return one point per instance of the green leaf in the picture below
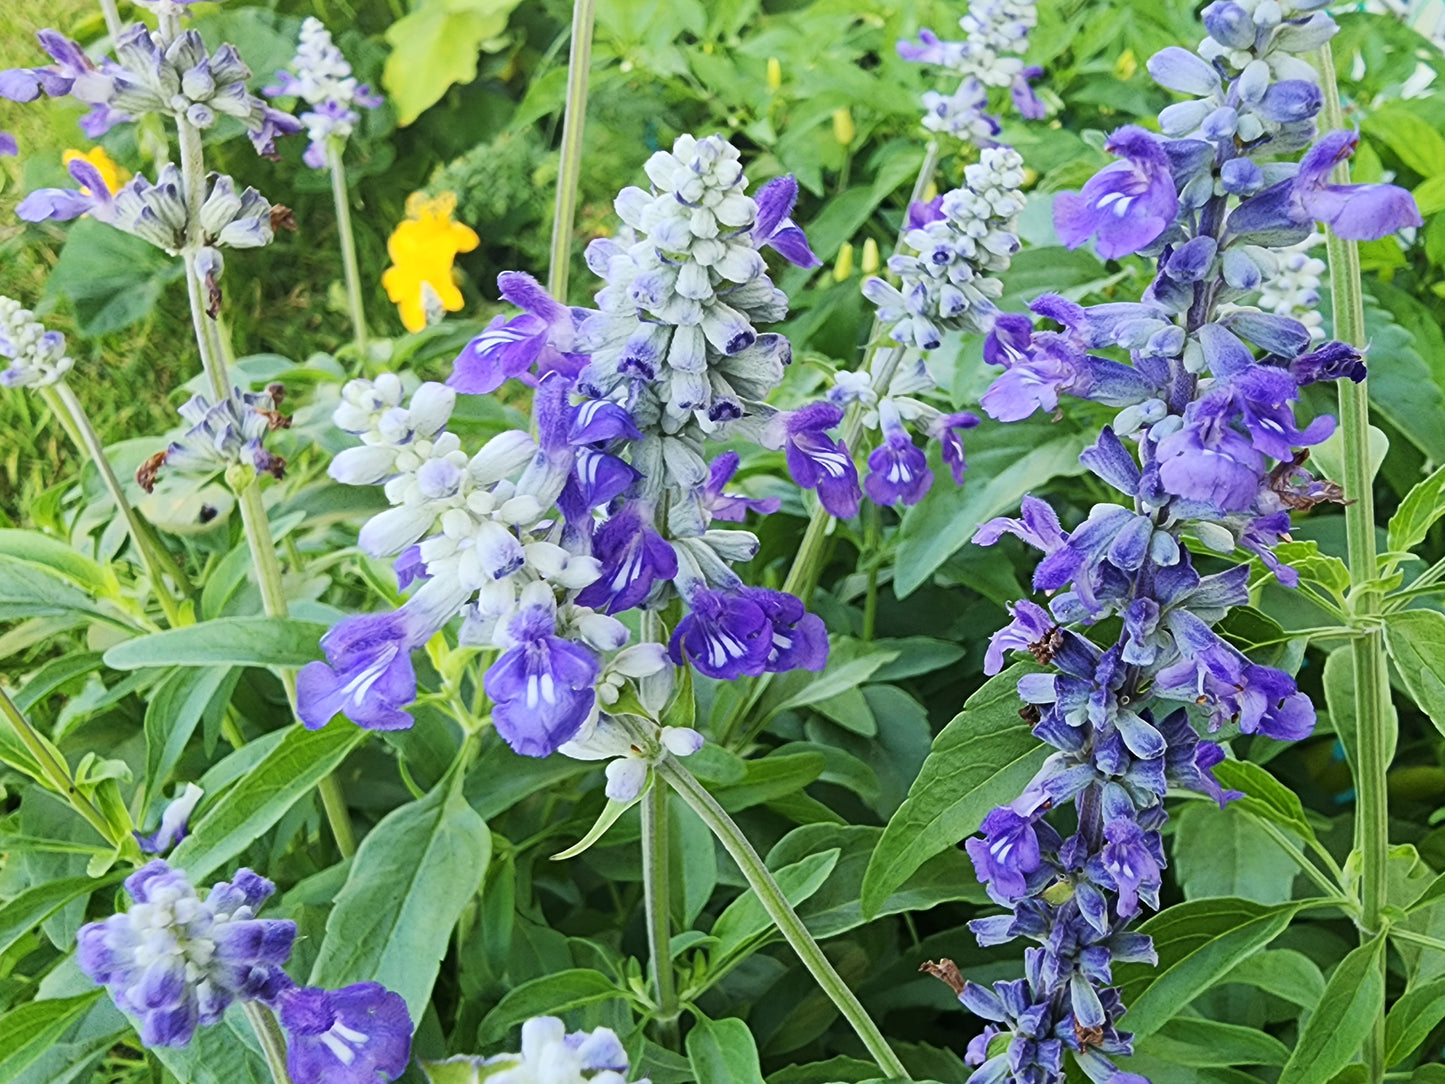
(1284, 973)
(933, 530)
(979, 760)
(411, 878)
(1416, 642)
(436, 46)
(836, 679)
(285, 775)
(770, 778)
(1352, 1002)
(226, 641)
(1316, 567)
(172, 714)
(835, 908)
(28, 1031)
(1411, 1020)
(1264, 796)
(1432, 894)
(1223, 852)
(1422, 506)
(745, 925)
(22, 913)
(224, 1053)
(41, 550)
(1213, 1044)
(605, 820)
(549, 995)
(723, 1052)
(1416, 141)
(1198, 943)
(112, 279)
(28, 590)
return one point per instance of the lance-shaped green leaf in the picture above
(1352, 1002)
(28, 1031)
(410, 879)
(723, 1052)
(30, 908)
(550, 995)
(1198, 942)
(226, 641)
(285, 775)
(983, 758)
(1416, 642)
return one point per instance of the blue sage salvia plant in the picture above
(540, 541)
(176, 961)
(321, 77)
(1206, 451)
(996, 34)
(961, 242)
(152, 73)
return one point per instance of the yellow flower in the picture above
(844, 267)
(423, 248)
(1126, 65)
(843, 130)
(109, 172)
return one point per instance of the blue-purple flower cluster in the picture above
(175, 961)
(321, 77)
(996, 34)
(540, 541)
(1205, 449)
(961, 242)
(152, 72)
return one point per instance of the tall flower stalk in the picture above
(187, 214)
(320, 77)
(569, 169)
(1206, 401)
(1375, 721)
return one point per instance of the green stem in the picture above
(273, 601)
(1371, 676)
(657, 892)
(193, 181)
(65, 405)
(111, 14)
(1423, 940)
(874, 543)
(776, 904)
(569, 169)
(348, 249)
(273, 1042)
(55, 770)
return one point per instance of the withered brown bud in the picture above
(944, 970)
(146, 473)
(1044, 650)
(282, 218)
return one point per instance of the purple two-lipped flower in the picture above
(542, 339)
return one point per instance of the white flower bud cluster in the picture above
(37, 357)
(951, 283)
(1277, 33)
(994, 29)
(474, 530)
(685, 288)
